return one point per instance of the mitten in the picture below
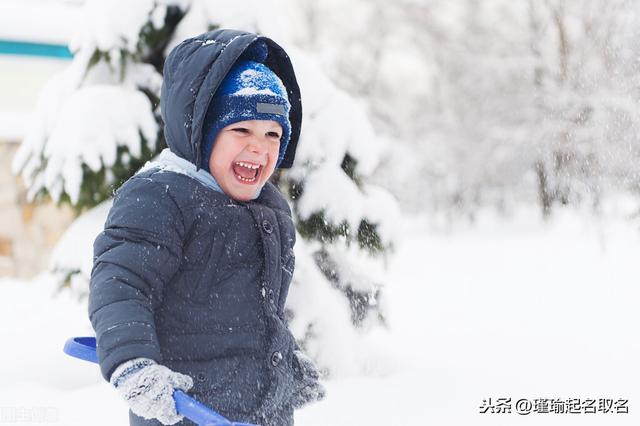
(148, 388)
(308, 387)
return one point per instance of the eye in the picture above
(241, 130)
(273, 135)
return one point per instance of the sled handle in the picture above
(85, 348)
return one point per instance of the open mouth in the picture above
(246, 172)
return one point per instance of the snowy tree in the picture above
(583, 80)
(497, 102)
(543, 92)
(98, 122)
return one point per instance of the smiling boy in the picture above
(192, 270)
(244, 157)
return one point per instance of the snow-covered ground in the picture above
(506, 308)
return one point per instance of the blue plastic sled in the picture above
(85, 348)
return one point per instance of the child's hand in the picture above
(148, 389)
(309, 388)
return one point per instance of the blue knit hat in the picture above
(249, 91)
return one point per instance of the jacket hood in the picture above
(192, 73)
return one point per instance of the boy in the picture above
(192, 271)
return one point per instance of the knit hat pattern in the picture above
(249, 91)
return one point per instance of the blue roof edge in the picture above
(24, 48)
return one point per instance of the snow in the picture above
(381, 208)
(513, 307)
(142, 76)
(329, 189)
(67, 259)
(337, 346)
(193, 23)
(165, 165)
(335, 125)
(52, 97)
(38, 380)
(158, 16)
(38, 21)
(81, 118)
(92, 123)
(356, 267)
(108, 29)
(269, 17)
(505, 308)
(251, 91)
(13, 125)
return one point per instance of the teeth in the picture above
(248, 165)
(245, 179)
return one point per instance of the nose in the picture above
(258, 145)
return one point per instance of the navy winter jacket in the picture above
(191, 278)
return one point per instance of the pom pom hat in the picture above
(249, 91)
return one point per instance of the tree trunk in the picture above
(546, 196)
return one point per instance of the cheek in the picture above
(224, 154)
(271, 164)
(217, 164)
(220, 166)
(274, 150)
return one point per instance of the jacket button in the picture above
(267, 227)
(201, 377)
(276, 357)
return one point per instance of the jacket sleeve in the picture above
(135, 257)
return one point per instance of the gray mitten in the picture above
(148, 389)
(308, 388)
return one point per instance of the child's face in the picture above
(244, 156)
